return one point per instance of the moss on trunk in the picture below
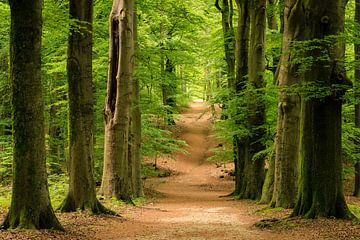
(30, 202)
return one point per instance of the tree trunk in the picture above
(242, 48)
(169, 87)
(82, 193)
(268, 187)
(30, 202)
(227, 12)
(288, 133)
(357, 95)
(271, 14)
(135, 144)
(252, 170)
(115, 181)
(320, 186)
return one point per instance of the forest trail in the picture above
(191, 207)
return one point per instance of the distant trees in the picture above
(308, 132)
(30, 203)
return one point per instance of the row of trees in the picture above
(39, 60)
(305, 160)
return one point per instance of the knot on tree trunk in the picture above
(325, 19)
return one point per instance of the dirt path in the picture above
(191, 207)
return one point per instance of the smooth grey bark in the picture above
(115, 180)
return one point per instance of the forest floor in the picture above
(188, 204)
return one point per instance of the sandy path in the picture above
(191, 207)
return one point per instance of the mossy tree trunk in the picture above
(115, 180)
(271, 11)
(320, 186)
(227, 13)
(242, 59)
(288, 132)
(357, 106)
(82, 193)
(30, 202)
(250, 171)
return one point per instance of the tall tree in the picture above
(30, 203)
(357, 92)
(227, 13)
(320, 187)
(242, 48)
(135, 131)
(115, 181)
(288, 133)
(251, 64)
(82, 193)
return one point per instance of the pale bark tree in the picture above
(288, 133)
(116, 181)
(30, 202)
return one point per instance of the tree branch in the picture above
(217, 5)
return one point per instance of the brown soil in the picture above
(189, 204)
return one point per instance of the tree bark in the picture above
(357, 95)
(82, 193)
(271, 14)
(137, 187)
(30, 202)
(250, 170)
(288, 132)
(227, 12)
(115, 181)
(320, 186)
(242, 59)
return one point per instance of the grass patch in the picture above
(355, 209)
(269, 210)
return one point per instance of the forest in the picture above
(168, 119)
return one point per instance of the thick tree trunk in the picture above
(115, 181)
(320, 186)
(82, 193)
(252, 170)
(30, 202)
(288, 133)
(357, 95)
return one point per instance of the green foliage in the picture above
(58, 188)
(156, 141)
